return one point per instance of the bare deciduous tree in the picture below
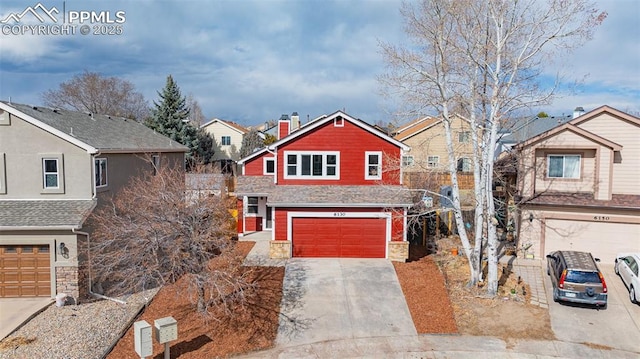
(156, 230)
(482, 59)
(95, 93)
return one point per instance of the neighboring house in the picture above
(579, 188)
(55, 167)
(325, 191)
(228, 136)
(427, 164)
(521, 129)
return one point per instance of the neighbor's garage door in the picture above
(25, 271)
(604, 240)
(339, 237)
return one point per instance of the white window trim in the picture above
(257, 206)
(405, 161)
(59, 157)
(3, 175)
(264, 166)
(367, 176)
(106, 180)
(338, 121)
(324, 155)
(435, 163)
(222, 140)
(563, 170)
(462, 169)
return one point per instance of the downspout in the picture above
(73, 230)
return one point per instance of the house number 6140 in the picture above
(339, 214)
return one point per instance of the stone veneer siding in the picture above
(280, 249)
(67, 281)
(398, 251)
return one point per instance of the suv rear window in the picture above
(582, 277)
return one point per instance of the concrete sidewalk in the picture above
(439, 346)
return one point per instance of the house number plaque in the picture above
(601, 218)
(339, 214)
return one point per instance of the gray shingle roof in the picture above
(329, 196)
(102, 132)
(45, 213)
(254, 185)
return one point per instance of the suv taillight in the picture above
(562, 277)
(604, 284)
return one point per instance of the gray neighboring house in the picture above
(56, 166)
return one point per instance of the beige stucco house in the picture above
(578, 186)
(55, 167)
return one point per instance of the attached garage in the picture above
(25, 271)
(339, 237)
(603, 239)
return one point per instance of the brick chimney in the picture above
(283, 126)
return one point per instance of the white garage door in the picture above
(604, 240)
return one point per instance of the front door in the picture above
(269, 224)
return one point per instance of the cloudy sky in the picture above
(250, 61)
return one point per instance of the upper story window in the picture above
(51, 176)
(373, 165)
(433, 161)
(226, 140)
(464, 165)
(563, 166)
(407, 161)
(464, 136)
(101, 172)
(269, 166)
(312, 165)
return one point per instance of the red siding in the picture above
(339, 237)
(255, 166)
(352, 142)
(253, 224)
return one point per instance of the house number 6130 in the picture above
(339, 214)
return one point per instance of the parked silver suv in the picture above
(576, 278)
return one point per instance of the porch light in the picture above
(530, 217)
(63, 250)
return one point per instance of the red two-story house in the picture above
(332, 188)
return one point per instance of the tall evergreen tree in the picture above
(170, 117)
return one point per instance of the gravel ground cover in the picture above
(82, 331)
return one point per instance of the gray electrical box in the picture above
(166, 329)
(142, 338)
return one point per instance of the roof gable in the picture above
(234, 126)
(605, 109)
(571, 128)
(320, 122)
(416, 128)
(95, 133)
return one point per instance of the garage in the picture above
(603, 239)
(25, 271)
(339, 237)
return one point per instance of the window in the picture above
(226, 140)
(316, 165)
(155, 162)
(433, 161)
(338, 121)
(269, 166)
(3, 181)
(407, 161)
(101, 172)
(252, 205)
(464, 136)
(563, 166)
(50, 173)
(464, 165)
(373, 165)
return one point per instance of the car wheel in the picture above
(632, 295)
(555, 295)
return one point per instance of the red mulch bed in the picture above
(248, 328)
(424, 289)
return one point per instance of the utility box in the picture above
(166, 329)
(142, 338)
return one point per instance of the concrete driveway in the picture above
(618, 326)
(330, 299)
(15, 311)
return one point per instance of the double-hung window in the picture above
(407, 161)
(269, 166)
(464, 164)
(373, 165)
(226, 140)
(433, 161)
(312, 165)
(51, 176)
(563, 166)
(464, 136)
(252, 205)
(101, 172)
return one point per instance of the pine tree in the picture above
(170, 117)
